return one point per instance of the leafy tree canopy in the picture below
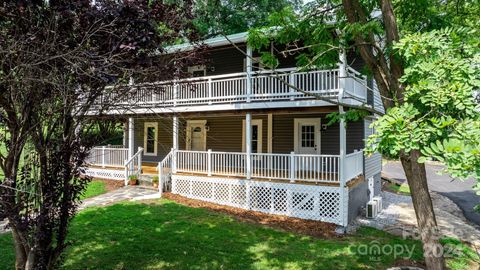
(424, 57)
(440, 116)
(235, 16)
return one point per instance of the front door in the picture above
(196, 135)
(307, 136)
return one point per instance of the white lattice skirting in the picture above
(105, 174)
(323, 203)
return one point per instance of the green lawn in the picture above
(167, 235)
(94, 188)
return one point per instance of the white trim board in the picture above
(218, 107)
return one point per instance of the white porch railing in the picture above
(133, 166)
(165, 172)
(105, 156)
(290, 167)
(232, 88)
(353, 164)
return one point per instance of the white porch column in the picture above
(342, 72)
(248, 62)
(343, 148)
(175, 143)
(248, 144)
(131, 137)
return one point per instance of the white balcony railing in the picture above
(231, 88)
(356, 85)
(290, 167)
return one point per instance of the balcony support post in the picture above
(248, 62)
(291, 80)
(176, 86)
(342, 73)
(131, 137)
(175, 144)
(248, 144)
(343, 149)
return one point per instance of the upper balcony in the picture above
(280, 88)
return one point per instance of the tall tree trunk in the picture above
(20, 254)
(427, 224)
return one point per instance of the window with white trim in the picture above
(150, 144)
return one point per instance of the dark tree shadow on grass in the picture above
(171, 236)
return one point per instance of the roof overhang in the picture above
(211, 42)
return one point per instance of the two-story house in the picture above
(239, 135)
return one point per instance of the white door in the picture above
(307, 136)
(196, 135)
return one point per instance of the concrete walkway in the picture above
(458, 191)
(128, 193)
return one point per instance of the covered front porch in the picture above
(293, 146)
(280, 162)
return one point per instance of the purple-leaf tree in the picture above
(56, 60)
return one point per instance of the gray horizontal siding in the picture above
(229, 59)
(355, 136)
(373, 163)
(377, 100)
(283, 134)
(225, 134)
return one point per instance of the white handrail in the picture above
(164, 177)
(139, 152)
(131, 163)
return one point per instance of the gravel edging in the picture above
(398, 217)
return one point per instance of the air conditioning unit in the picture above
(379, 201)
(372, 209)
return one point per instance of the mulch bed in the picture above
(307, 227)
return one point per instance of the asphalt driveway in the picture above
(458, 191)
